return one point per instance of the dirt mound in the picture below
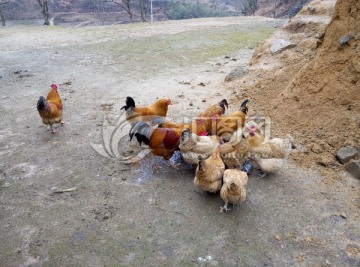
(313, 86)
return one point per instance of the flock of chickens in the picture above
(217, 144)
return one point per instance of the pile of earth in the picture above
(306, 78)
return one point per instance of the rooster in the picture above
(50, 109)
(163, 142)
(191, 146)
(235, 152)
(209, 173)
(226, 125)
(145, 113)
(270, 155)
(234, 188)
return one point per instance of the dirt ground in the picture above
(119, 214)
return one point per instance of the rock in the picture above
(281, 45)
(235, 74)
(354, 168)
(345, 154)
(343, 215)
(344, 39)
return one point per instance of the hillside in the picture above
(98, 13)
(314, 83)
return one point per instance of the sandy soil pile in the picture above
(313, 87)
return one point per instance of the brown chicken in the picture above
(145, 113)
(163, 142)
(195, 125)
(50, 109)
(227, 125)
(234, 188)
(235, 152)
(192, 146)
(209, 173)
(203, 124)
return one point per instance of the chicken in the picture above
(233, 189)
(145, 113)
(227, 125)
(196, 125)
(162, 123)
(235, 152)
(163, 142)
(209, 173)
(51, 108)
(203, 124)
(192, 146)
(269, 155)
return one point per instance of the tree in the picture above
(250, 6)
(1, 13)
(124, 4)
(44, 11)
(143, 9)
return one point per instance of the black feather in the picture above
(41, 104)
(243, 106)
(129, 103)
(142, 131)
(223, 103)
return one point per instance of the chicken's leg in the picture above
(224, 208)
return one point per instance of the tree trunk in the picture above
(142, 10)
(44, 11)
(2, 17)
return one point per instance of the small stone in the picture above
(105, 217)
(204, 100)
(235, 74)
(281, 45)
(344, 39)
(191, 104)
(123, 178)
(277, 237)
(343, 215)
(354, 168)
(345, 154)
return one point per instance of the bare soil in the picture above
(118, 214)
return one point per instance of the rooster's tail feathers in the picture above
(41, 104)
(129, 103)
(223, 103)
(243, 106)
(142, 131)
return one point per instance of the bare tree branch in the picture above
(124, 4)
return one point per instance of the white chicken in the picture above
(192, 146)
(233, 189)
(270, 155)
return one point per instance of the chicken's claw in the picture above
(174, 165)
(260, 173)
(225, 208)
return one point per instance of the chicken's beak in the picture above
(169, 102)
